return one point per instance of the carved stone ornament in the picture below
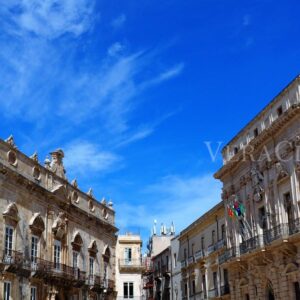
(75, 197)
(74, 183)
(90, 193)
(91, 205)
(35, 157)
(224, 195)
(281, 171)
(243, 181)
(93, 249)
(10, 141)
(12, 158)
(77, 242)
(59, 227)
(56, 165)
(103, 201)
(11, 214)
(36, 224)
(258, 193)
(36, 172)
(256, 176)
(297, 167)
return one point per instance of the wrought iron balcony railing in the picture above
(15, 262)
(277, 232)
(136, 264)
(191, 259)
(211, 248)
(250, 245)
(213, 293)
(199, 254)
(183, 263)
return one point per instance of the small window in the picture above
(297, 290)
(34, 249)
(8, 240)
(262, 217)
(175, 260)
(255, 132)
(223, 232)
(185, 256)
(193, 287)
(33, 294)
(128, 290)
(91, 269)
(57, 252)
(202, 243)
(279, 111)
(213, 234)
(185, 289)
(128, 255)
(6, 290)
(235, 150)
(75, 259)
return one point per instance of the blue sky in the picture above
(131, 90)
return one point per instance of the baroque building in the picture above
(129, 267)
(57, 242)
(261, 196)
(200, 245)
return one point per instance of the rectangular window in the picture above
(213, 234)
(7, 287)
(57, 252)
(255, 132)
(297, 290)
(91, 269)
(279, 111)
(202, 243)
(223, 231)
(75, 259)
(128, 255)
(128, 290)
(33, 294)
(193, 287)
(34, 249)
(125, 290)
(8, 240)
(175, 260)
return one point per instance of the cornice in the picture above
(259, 141)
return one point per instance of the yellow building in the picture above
(57, 242)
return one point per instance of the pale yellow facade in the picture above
(57, 242)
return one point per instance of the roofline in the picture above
(274, 99)
(201, 218)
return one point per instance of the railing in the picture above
(225, 289)
(275, 233)
(220, 244)
(211, 248)
(294, 226)
(131, 264)
(213, 293)
(93, 280)
(183, 263)
(11, 257)
(250, 245)
(227, 255)
(191, 260)
(199, 254)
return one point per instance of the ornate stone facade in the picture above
(261, 197)
(57, 242)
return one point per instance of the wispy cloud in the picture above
(83, 157)
(115, 48)
(49, 18)
(118, 21)
(176, 198)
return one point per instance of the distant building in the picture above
(129, 267)
(261, 196)
(157, 274)
(57, 242)
(176, 293)
(200, 245)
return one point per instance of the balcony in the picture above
(227, 255)
(199, 255)
(79, 277)
(211, 248)
(94, 282)
(225, 290)
(280, 231)
(220, 244)
(191, 260)
(131, 266)
(183, 263)
(14, 262)
(250, 245)
(213, 293)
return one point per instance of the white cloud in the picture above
(84, 158)
(115, 49)
(118, 21)
(173, 198)
(49, 18)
